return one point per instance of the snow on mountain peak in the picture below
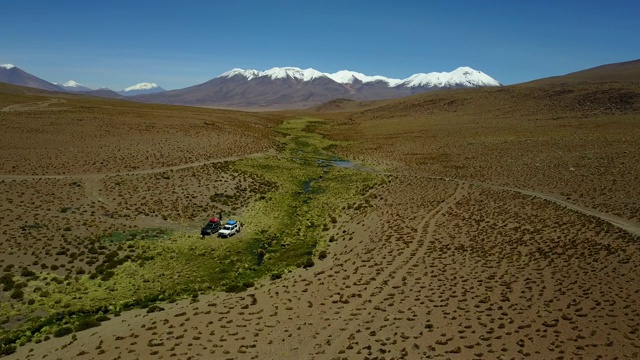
(249, 74)
(293, 72)
(347, 77)
(7, 66)
(276, 73)
(72, 83)
(141, 86)
(462, 76)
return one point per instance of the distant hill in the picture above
(11, 74)
(104, 92)
(294, 88)
(628, 71)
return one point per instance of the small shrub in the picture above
(8, 267)
(6, 278)
(276, 276)
(27, 273)
(102, 317)
(17, 294)
(322, 255)
(62, 331)
(8, 286)
(7, 349)
(86, 323)
(308, 263)
(154, 308)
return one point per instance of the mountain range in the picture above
(291, 87)
(11, 74)
(276, 88)
(138, 89)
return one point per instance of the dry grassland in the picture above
(494, 223)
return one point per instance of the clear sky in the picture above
(177, 44)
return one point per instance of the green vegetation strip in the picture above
(285, 229)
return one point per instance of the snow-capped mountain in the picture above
(12, 74)
(276, 88)
(292, 87)
(140, 89)
(462, 76)
(73, 86)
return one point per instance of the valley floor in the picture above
(498, 224)
(431, 269)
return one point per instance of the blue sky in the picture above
(183, 43)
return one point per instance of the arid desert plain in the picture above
(496, 223)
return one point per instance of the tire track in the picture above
(419, 240)
(42, 105)
(386, 280)
(134, 172)
(627, 225)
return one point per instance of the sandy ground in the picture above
(433, 269)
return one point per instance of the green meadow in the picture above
(286, 228)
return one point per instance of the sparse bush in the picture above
(7, 349)
(86, 323)
(8, 286)
(154, 308)
(102, 317)
(107, 275)
(322, 255)
(62, 331)
(6, 278)
(17, 294)
(308, 263)
(276, 276)
(25, 272)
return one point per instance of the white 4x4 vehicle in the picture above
(229, 229)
